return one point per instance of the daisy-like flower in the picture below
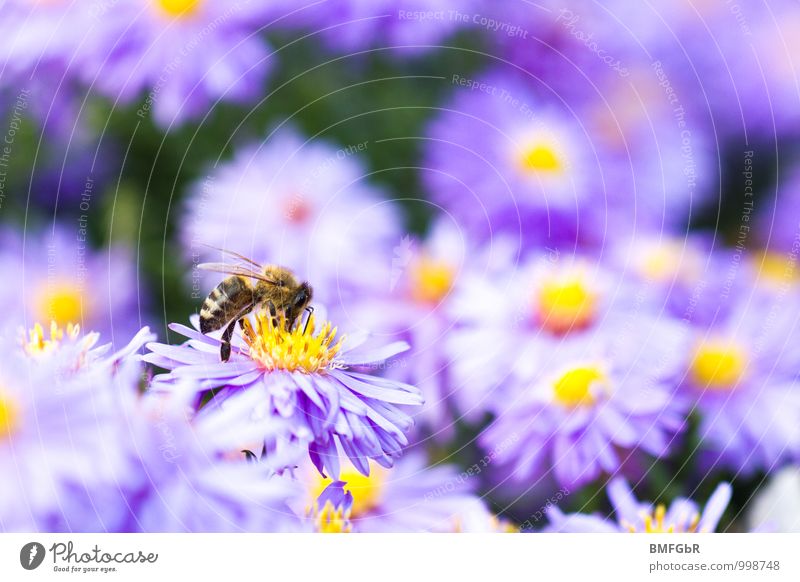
(63, 403)
(741, 377)
(685, 275)
(539, 308)
(185, 54)
(682, 516)
(411, 497)
(503, 158)
(298, 202)
(584, 413)
(63, 279)
(193, 478)
(307, 376)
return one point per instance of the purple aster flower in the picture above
(412, 497)
(686, 276)
(682, 516)
(741, 376)
(63, 279)
(192, 476)
(503, 157)
(307, 377)
(187, 54)
(296, 202)
(63, 405)
(540, 307)
(583, 412)
(574, 169)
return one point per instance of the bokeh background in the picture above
(583, 217)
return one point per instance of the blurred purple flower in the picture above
(683, 515)
(63, 279)
(503, 159)
(292, 201)
(186, 54)
(741, 377)
(538, 308)
(506, 155)
(306, 377)
(405, 27)
(581, 413)
(63, 406)
(192, 477)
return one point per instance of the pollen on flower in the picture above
(566, 304)
(178, 7)
(577, 386)
(367, 491)
(431, 280)
(296, 350)
(540, 157)
(331, 519)
(655, 522)
(38, 343)
(62, 303)
(8, 416)
(718, 365)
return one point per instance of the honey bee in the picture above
(249, 285)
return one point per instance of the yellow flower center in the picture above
(575, 387)
(8, 416)
(330, 519)
(661, 262)
(540, 158)
(431, 280)
(367, 491)
(654, 522)
(776, 267)
(296, 350)
(718, 365)
(62, 303)
(566, 305)
(38, 344)
(178, 7)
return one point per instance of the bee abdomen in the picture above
(225, 302)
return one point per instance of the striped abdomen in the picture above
(227, 301)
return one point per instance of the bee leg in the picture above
(225, 348)
(308, 319)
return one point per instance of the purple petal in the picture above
(715, 507)
(374, 355)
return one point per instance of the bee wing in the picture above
(233, 254)
(235, 270)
